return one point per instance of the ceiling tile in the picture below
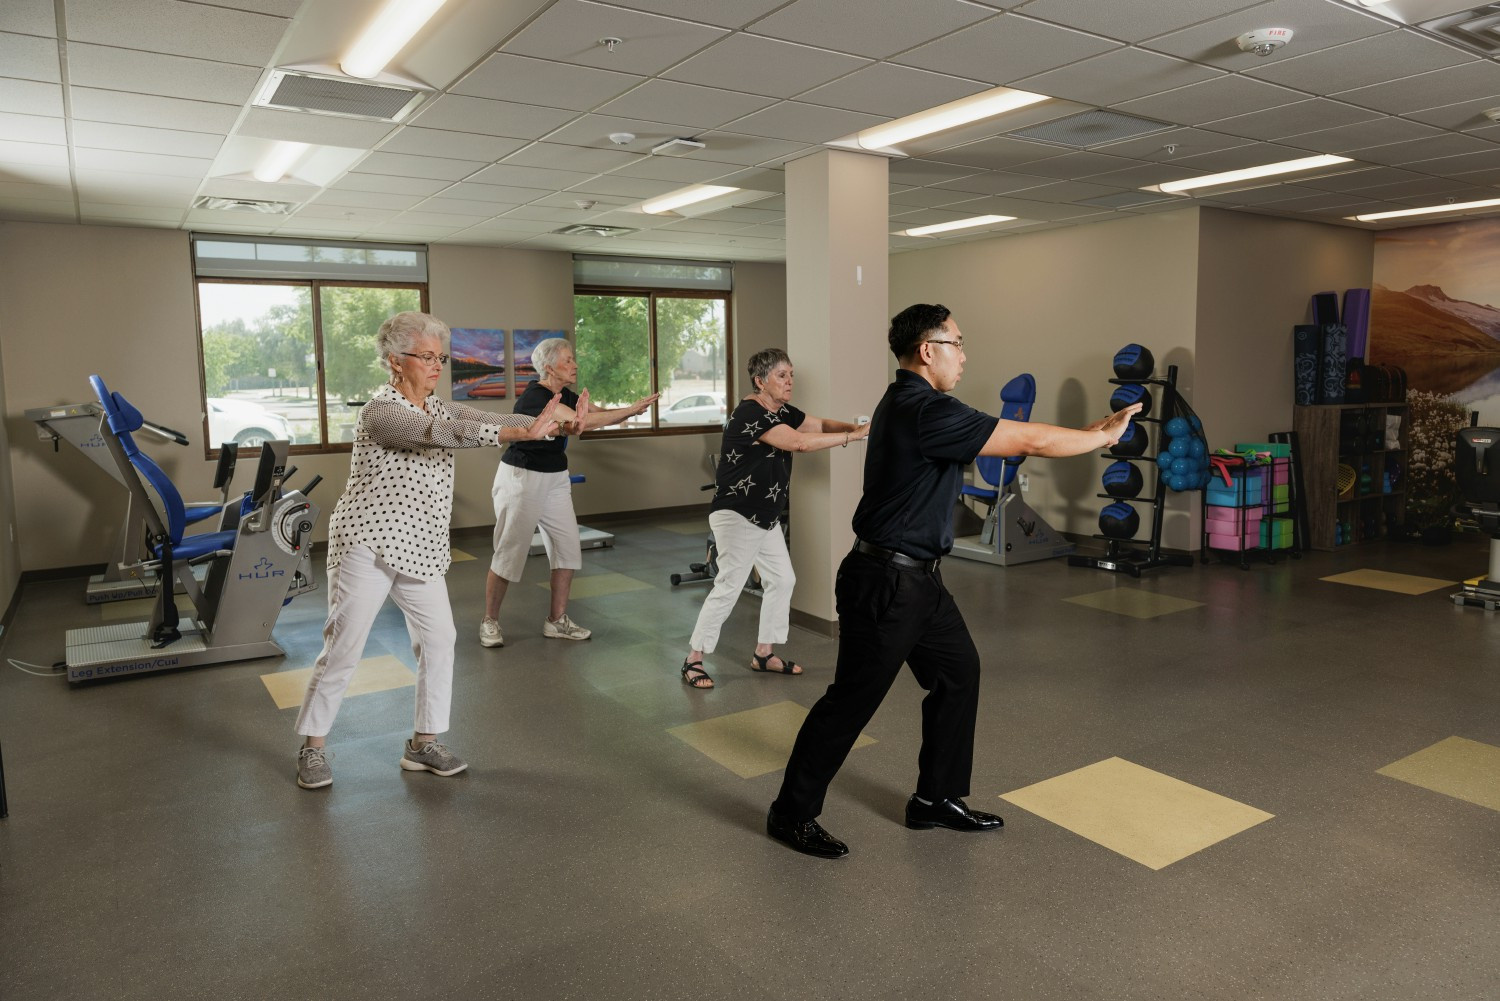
(490, 118)
(530, 177)
(1000, 153)
(1432, 189)
(584, 159)
(875, 28)
(456, 145)
(507, 77)
(807, 123)
(569, 31)
(29, 57)
(1078, 164)
(44, 154)
(1428, 90)
(391, 184)
(144, 163)
(674, 168)
(243, 187)
(1069, 191)
(924, 172)
(1117, 76)
(144, 109)
(33, 128)
(138, 139)
(1375, 132)
(97, 211)
(1026, 207)
(1005, 49)
(994, 182)
(702, 107)
(595, 130)
(1144, 175)
(1363, 62)
(1187, 142)
(1318, 24)
(1464, 116)
(184, 29)
(133, 188)
(1440, 144)
(494, 193)
(462, 206)
(431, 167)
(366, 199)
(759, 179)
(732, 147)
(337, 213)
(30, 97)
(764, 66)
(727, 13)
(600, 210)
(1221, 97)
(1487, 159)
(1356, 179)
(318, 130)
(1293, 119)
(628, 187)
(891, 91)
(155, 73)
(1131, 22)
(29, 17)
(935, 197)
(35, 181)
(442, 220)
(1238, 157)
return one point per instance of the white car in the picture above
(699, 408)
(244, 423)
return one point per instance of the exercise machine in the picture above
(1013, 533)
(709, 569)
(257, 561)
(1476, 465)
(131, 574)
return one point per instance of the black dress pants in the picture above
(889, 615)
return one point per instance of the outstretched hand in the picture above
(640, 406)
(860, 431)
(1115, 424)
(545, 424)
(579, 423)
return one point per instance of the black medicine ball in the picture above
(1134, 362)
(1124, 396)
(1122, 479)
(1133, 442)
(1119, 521)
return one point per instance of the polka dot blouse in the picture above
(399, 500)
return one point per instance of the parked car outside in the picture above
(699, 408)
(244, 422)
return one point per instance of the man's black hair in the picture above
(912, 325)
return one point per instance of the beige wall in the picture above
(1256, 278)
(1059, 304)
(10, 552)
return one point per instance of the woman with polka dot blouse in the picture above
(388, 536)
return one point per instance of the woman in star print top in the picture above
(389, 536)
(755, 468)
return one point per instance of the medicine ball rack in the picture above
(1126, 555)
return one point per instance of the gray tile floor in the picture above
(158, 847)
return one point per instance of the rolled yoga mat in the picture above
(1333, 365)
(1305, 344)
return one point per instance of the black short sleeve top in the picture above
(753, 476)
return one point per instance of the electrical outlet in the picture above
(1023, 481)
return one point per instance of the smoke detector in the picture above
(1493, 114)
(1264, 41)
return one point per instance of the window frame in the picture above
(315, 286)
(658, 429)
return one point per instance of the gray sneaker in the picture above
(432, 757)
(312, 768)
(489, 633)
(564, 629)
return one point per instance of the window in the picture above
(287, 334)
(645, 326)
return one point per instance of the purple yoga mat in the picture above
(1357, 318)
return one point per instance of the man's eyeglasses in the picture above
(427, 357)
(958, 343)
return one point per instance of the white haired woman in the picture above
(389, 536)
(754, 471)
(532, 489)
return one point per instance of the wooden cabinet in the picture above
(1366, 499)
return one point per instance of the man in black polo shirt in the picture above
(892, 604)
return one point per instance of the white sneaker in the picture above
(564, 629)
(489, 633)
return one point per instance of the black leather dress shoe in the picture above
(805, 836)
(950, 813)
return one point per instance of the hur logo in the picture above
(263, 570)
(1026, 527)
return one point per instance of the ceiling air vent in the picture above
(1090, 128)
(243, 205)
(328, 94)
(585, 229)
(1477, 29)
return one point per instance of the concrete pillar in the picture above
(837, 236)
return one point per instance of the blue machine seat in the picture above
(1016, 397)
(123, 418)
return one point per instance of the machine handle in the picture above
(176, 437)
(312, 483)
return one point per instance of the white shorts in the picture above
(526, 500)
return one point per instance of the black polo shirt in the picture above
(920, 443)
(540, 455)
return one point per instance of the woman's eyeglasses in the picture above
(427, 357)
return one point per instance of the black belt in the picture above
(894, 558)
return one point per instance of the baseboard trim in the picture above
(61, 573)
(815, 623)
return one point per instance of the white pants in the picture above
(741, 546)
(524, 501)
(357, 587)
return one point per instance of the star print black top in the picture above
(753, 476)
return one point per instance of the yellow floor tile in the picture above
(1134, 602)
(599, 584)
(460, 556)
(1384, 580)
(1463, 769)
(374, 674)
(1142, 814)
(752, 742)
(140, 609)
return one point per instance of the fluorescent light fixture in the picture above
(279, 161)
(947, 116)
(1250, 173)
(1487, 203)
(684, 196)
(387, 35)
(944, 227)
